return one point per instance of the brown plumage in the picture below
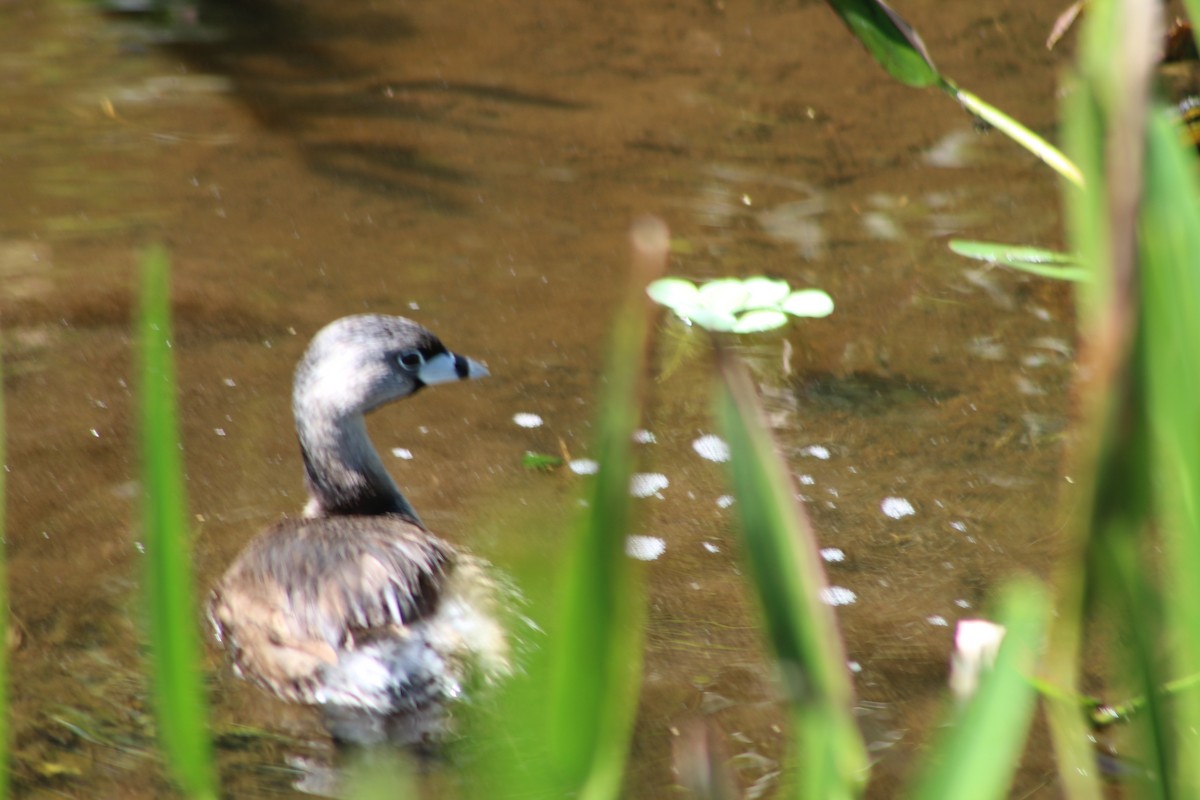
(358, 608)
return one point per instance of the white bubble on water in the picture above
(833, 554)
(648, 484)
(644, 548)
(838, 596)
(712, 448)
(896, 507)
(583, 466)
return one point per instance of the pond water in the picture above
(476, 166)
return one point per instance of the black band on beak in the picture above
(462, 367)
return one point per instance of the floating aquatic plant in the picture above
(731, 305)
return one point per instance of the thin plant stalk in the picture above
(597, 653)
(1048, 153)
(788, 578)
(174, 641)
(1104, 125)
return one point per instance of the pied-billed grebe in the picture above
(357, 608)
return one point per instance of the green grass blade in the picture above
(1034, 260)
(1014, 130)
(899, 50)
(597, 649)
(1085, 213)
(890, 40)
(1169, 242)
(174, 642)
(788, 577)
(977, 754)
(1103, 120)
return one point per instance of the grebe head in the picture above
(353, 366)
(356, 364)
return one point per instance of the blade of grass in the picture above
(1048, 153)
(788, 578)
(1103, 123)
(174, 642)
(1127, 600)
(1082, 128)
(977, 754)
(1034, 260)
(597, 650)
(890, 40)
(1169, 242)
(899, 50)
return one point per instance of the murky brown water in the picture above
(475, 165)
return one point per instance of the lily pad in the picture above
(760, 320)
(726, 295)
(674, 293)
(735, 306)
(808, 303)
(712, 319)
(765, 292)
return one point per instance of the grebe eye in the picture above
(411, 360)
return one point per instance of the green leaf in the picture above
(597, 648)
(899, 49)
(723, 296)
(808, 303)
(759, 321)
(710, 320)
(674, 293)
(1034, 260)
(1048, 153)
(782, 553)
(764, 292)
(174, 643)
(1169, 245)
(892, 41)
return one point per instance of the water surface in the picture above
(475, 166)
